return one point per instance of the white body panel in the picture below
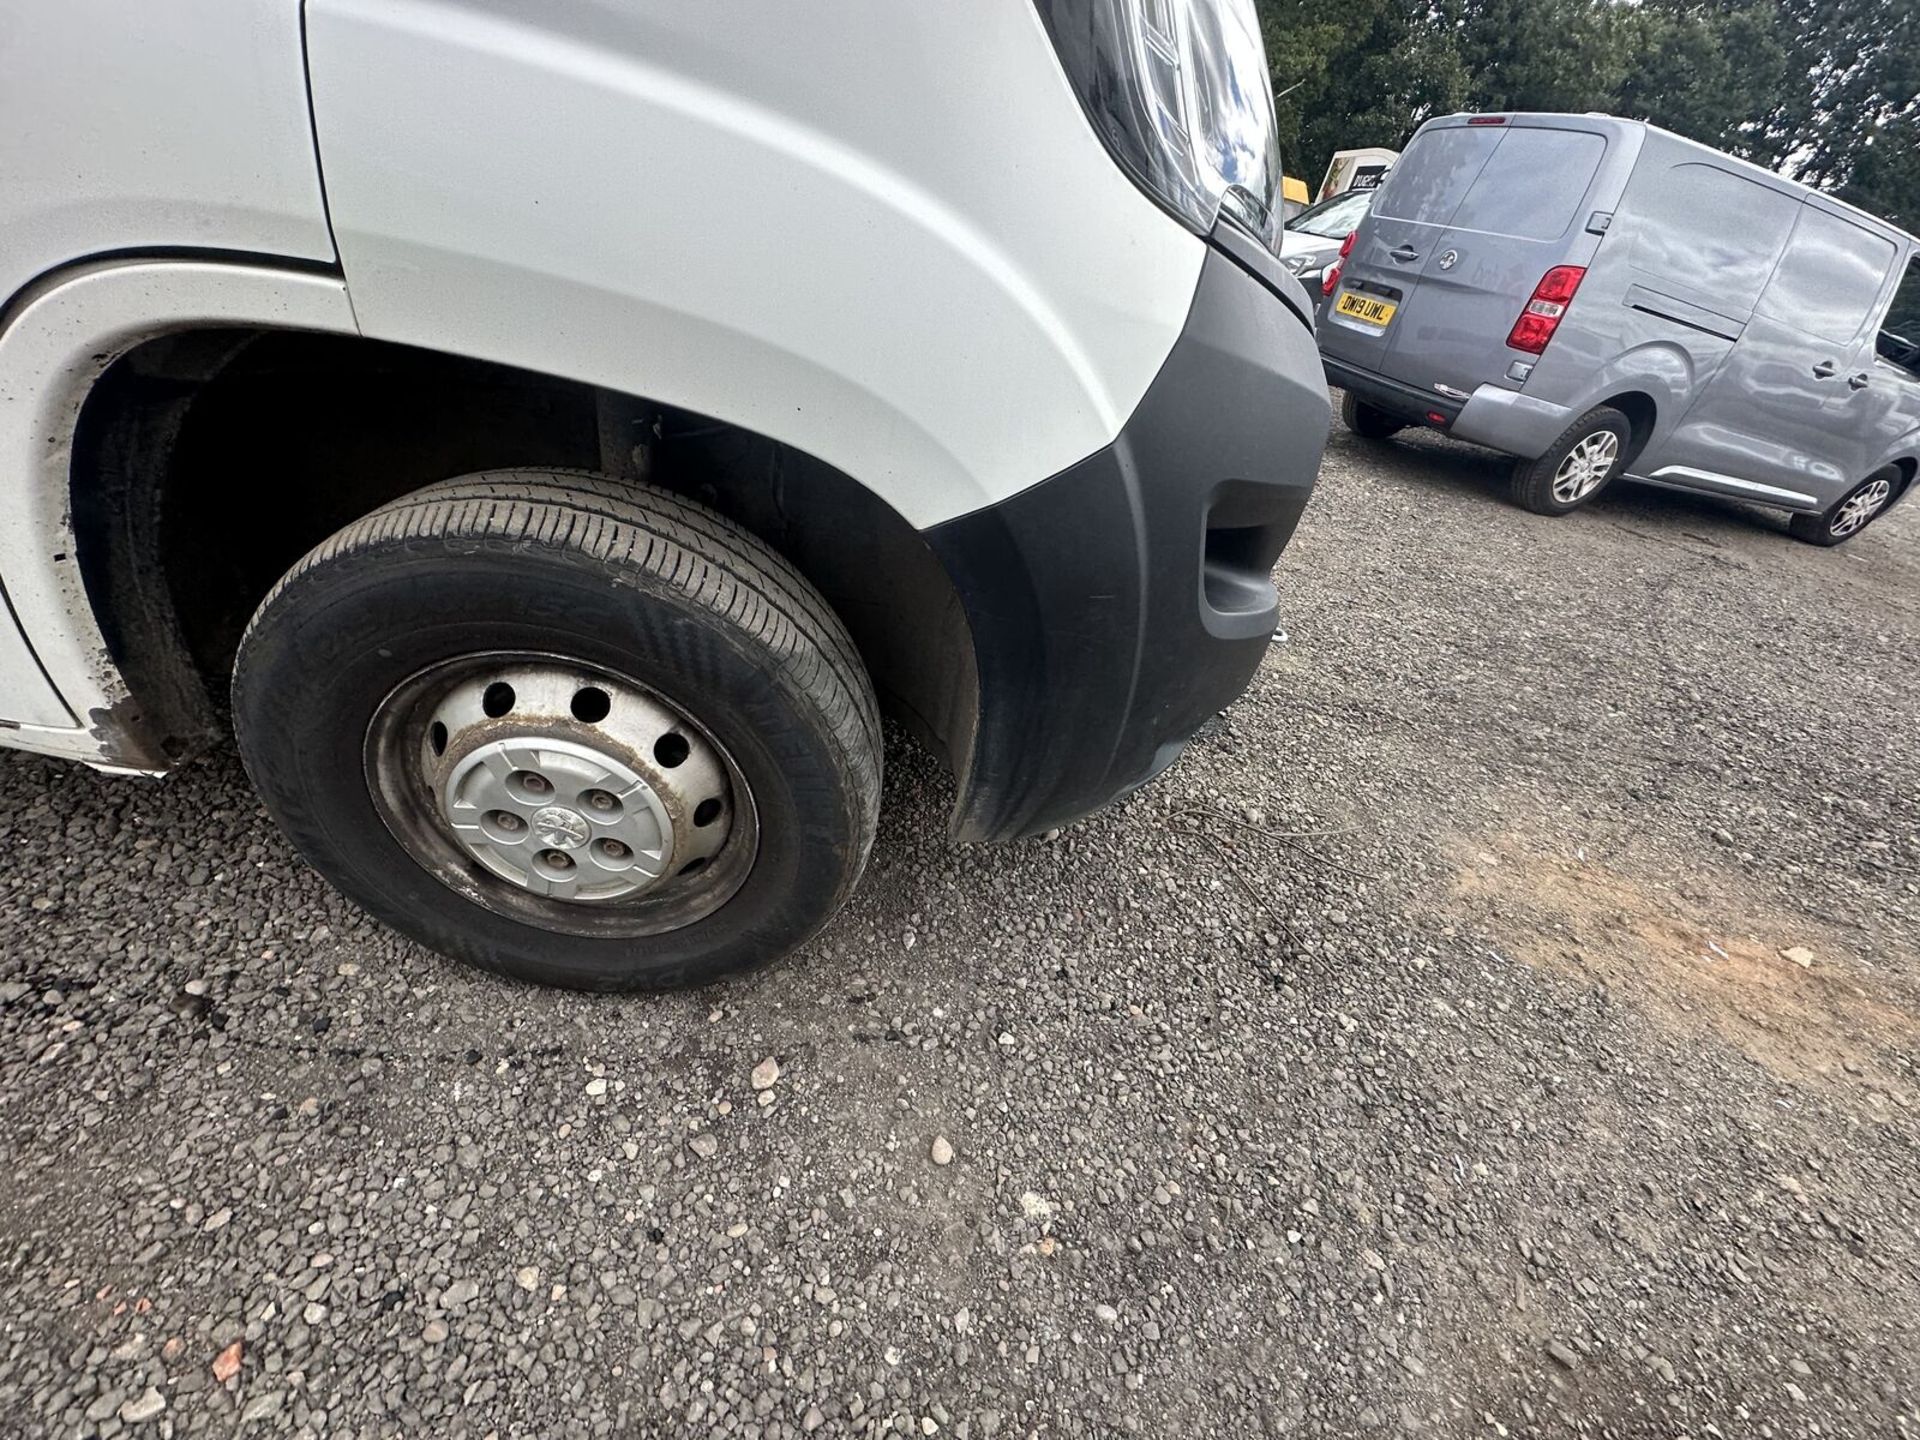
(803, 218)
(51, 351)
(808, 220)
(167, 123)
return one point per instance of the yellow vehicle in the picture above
(1294, 196)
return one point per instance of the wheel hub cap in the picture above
(1861, 507)
(560, 817)
(1587, 465)
(582, 801)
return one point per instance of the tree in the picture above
(1826, 90)
(1711, 72)
(1539, 54)
(1353, 73)
(1885, 174)
(1853, 125)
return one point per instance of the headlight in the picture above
(1178, 91)
(1301, 264)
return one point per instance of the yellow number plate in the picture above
(1364, 307)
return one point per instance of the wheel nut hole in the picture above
(694, 866)
(601, 802)
(614, 850)
(556, 860)
(437, 737)
(498, 699)
(503, 827)
(527, 785)
(591, 704)
(672, 749)
(707, 811)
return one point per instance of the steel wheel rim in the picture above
(1586, 467)
(576, 800)
(1861, 506)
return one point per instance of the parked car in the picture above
(561, 533)
(1313, 238)
(1603, 299)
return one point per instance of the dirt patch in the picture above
(1789, 994)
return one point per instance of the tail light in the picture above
(1332, 277)
(1549, 302)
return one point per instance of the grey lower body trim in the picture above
(1686, 477)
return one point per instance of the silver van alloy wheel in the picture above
(1861, 506)
(1586, 467)
(561, 795)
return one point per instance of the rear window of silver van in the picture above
(1495, 179)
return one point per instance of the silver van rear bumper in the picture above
(1503, 419)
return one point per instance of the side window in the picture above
(1829, 280)
(1899, 339)
(1436, 173)
(1707, 233)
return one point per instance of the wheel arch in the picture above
(179, 535)
(1643, 414)
(1908, 467)
(1651, 384)
(115, 367)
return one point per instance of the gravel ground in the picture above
(1422, 1054)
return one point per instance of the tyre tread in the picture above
(641, 527)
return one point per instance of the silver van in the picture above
(1603, 299)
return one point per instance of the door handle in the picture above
(1857, 382)
(1825, 370)
(1406, 254)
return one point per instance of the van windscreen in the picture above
(1510, 180)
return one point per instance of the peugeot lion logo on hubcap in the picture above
(558, 828)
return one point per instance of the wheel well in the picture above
(1641, 413)
(206, 463)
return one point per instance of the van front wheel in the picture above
(1577, 466)
(565, 728)
(1852, 515)
(1369, 422)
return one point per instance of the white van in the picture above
(567, 424)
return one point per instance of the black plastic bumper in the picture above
(1408, 402)
(1117, 605)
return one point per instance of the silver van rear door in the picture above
(1481, 217)
(1394, 242)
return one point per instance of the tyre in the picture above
(1860, 508)
(1369, 422)
(1577, 466)
(571, 730)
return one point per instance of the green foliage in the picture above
(1713, 73)
(1366, 72)
(1826, 90)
